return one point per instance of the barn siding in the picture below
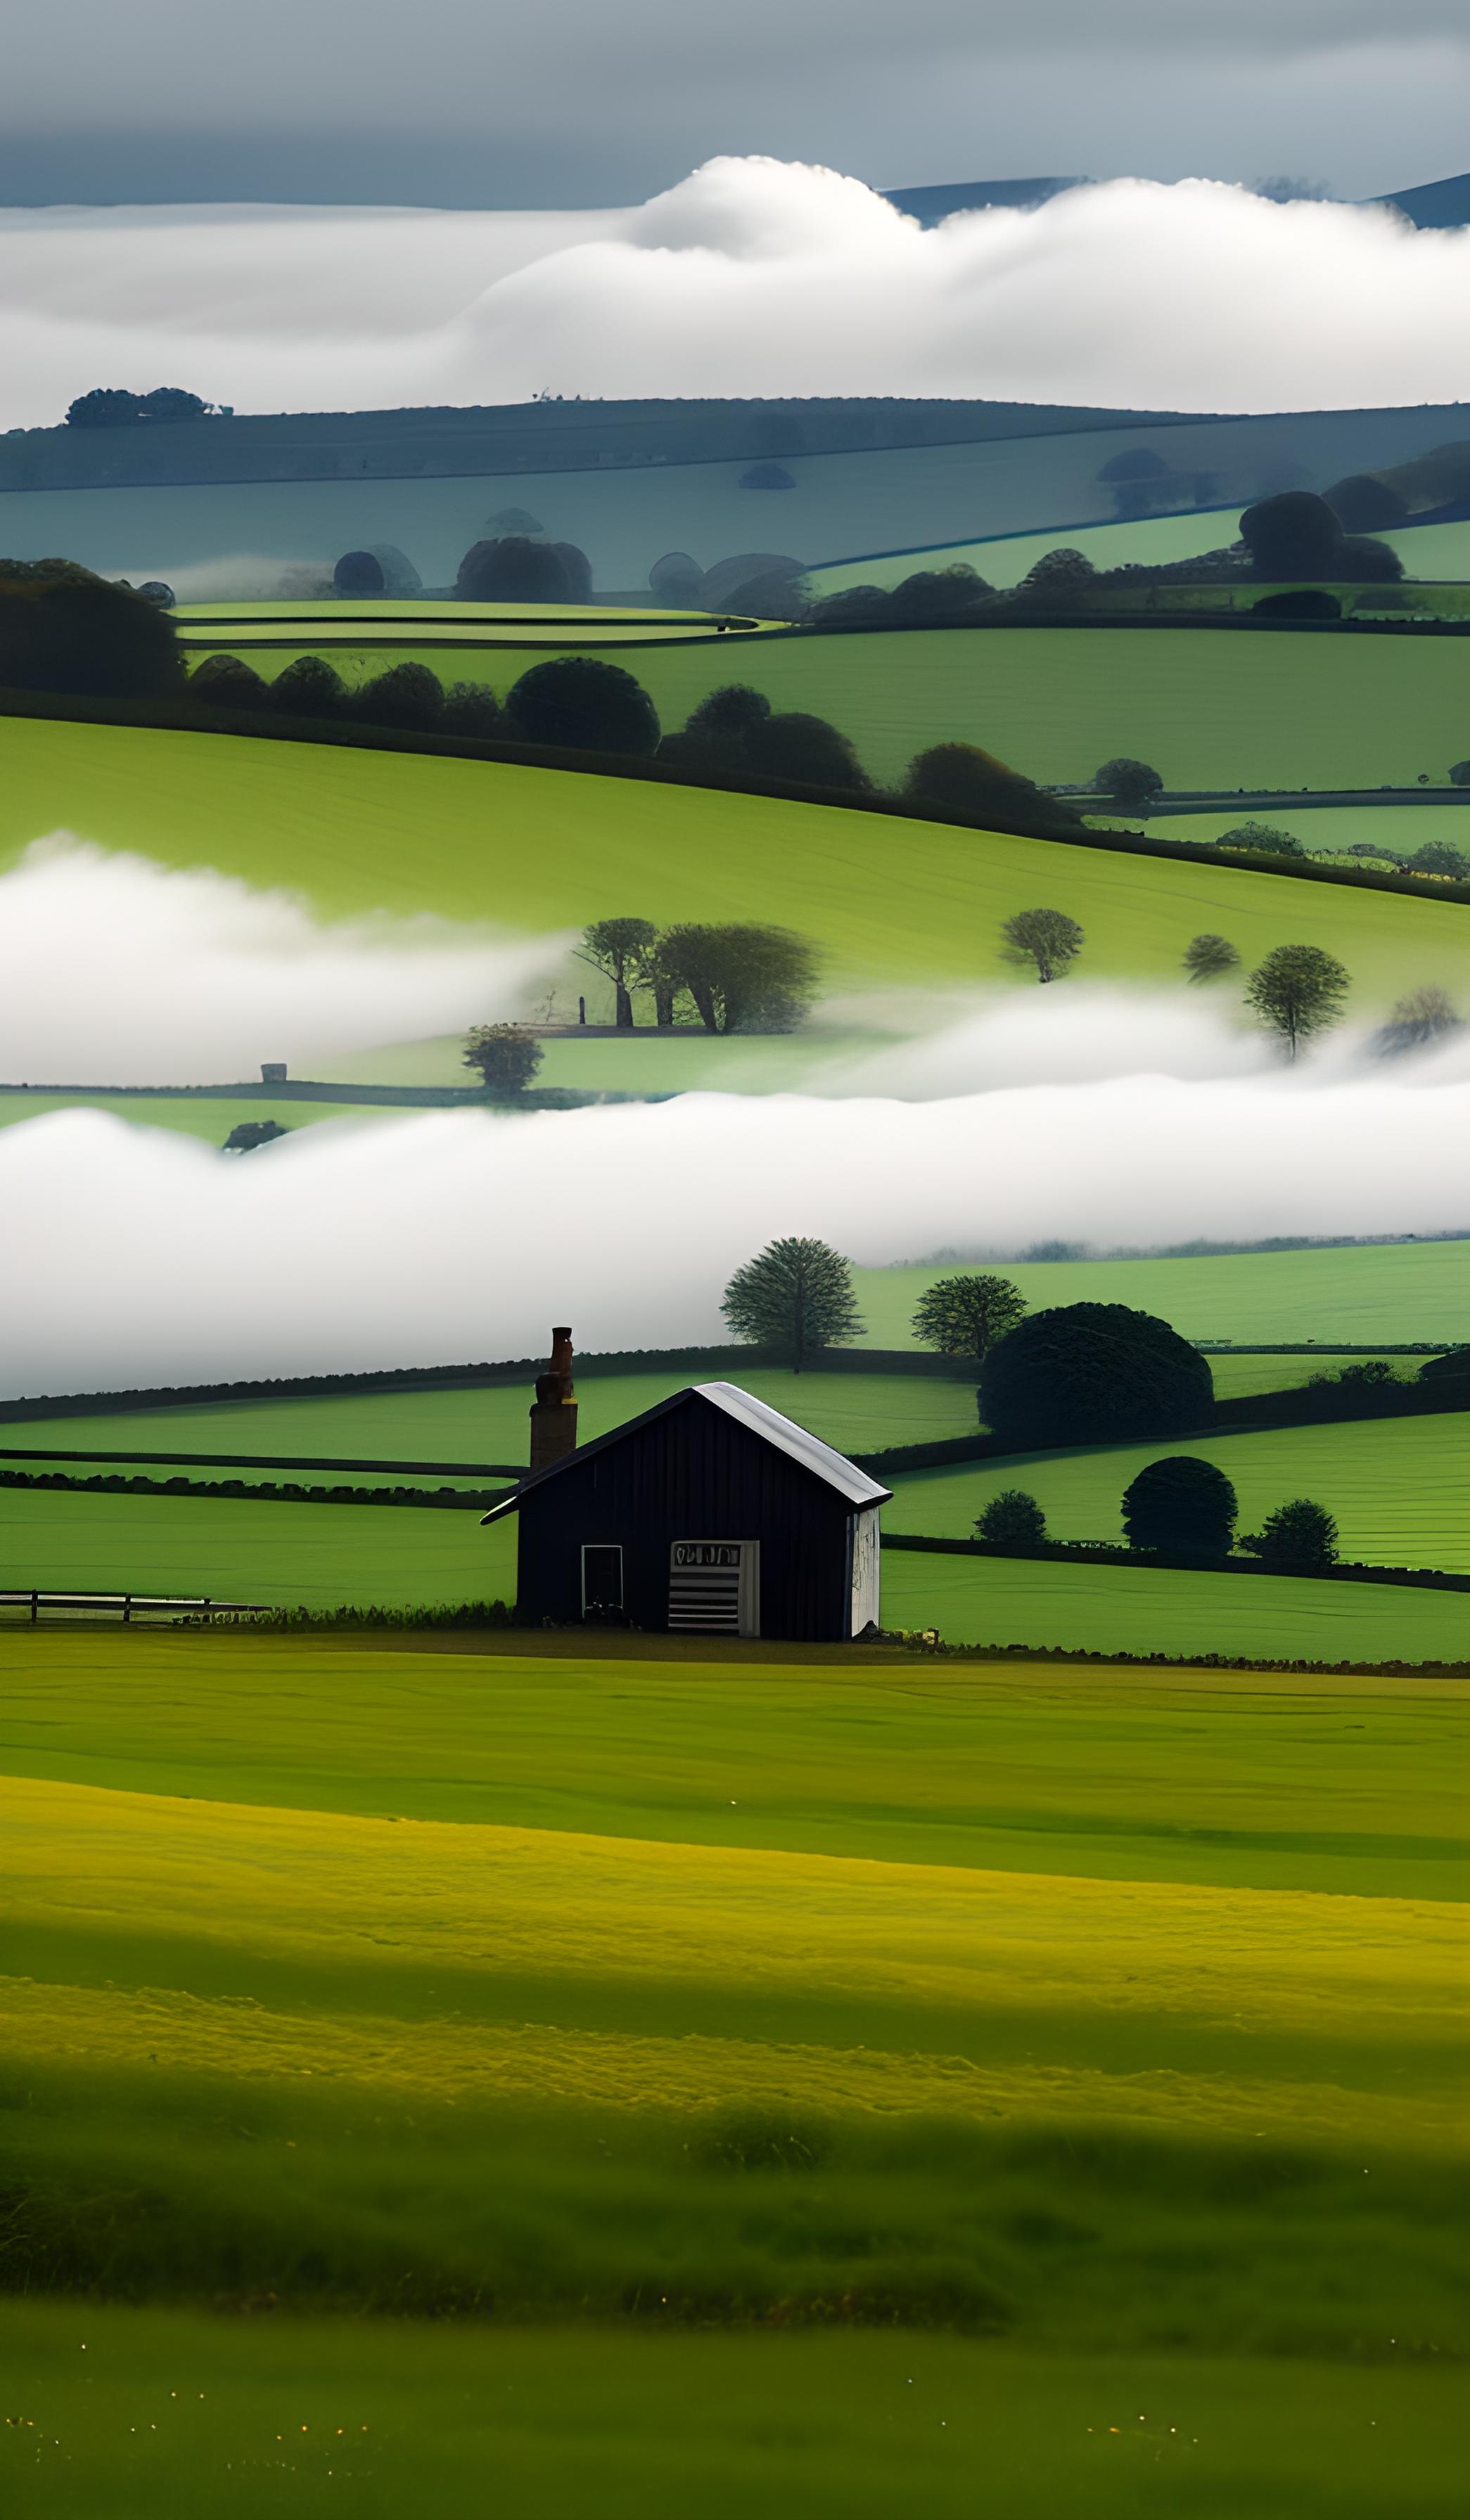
(693, 1473)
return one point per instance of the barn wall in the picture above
(692, 1474)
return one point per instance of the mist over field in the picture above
(752, 277)
(122, 972)
(461, 1236)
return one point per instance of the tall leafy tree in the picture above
(619, 949)
(965, 1316)
(505, 1056)
(1298, 990)
(1046, 938)
(795, 1297)
(742, 978)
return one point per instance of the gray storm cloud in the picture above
(461, 1234)
(752, 277)
(121, 971)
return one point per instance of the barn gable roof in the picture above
(807, 1450)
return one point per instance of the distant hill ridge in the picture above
(1444, 205)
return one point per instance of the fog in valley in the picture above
(752, 277)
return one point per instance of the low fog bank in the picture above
(461, 1236)
(752, 277)
(122, 972)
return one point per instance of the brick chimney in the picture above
(553, 1415)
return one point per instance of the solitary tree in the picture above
(797, 1296)
(1300, 1534)
(617, 948)
(965, 1316)
(1130, 786)
(1298, 990)
(505, 1057)
(1294, 534)
(1013, 1519)
(1210, 958)
(1182, 1506)
(1085, 1373)
(514, 568)
(1047, 939)
(964, 779)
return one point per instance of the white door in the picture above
(714, 1587)
(864, 1610)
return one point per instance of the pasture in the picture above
(1218, 709)
(543, 850)
(1096, 2030)
(322, 1555)
(1150, 542)
(1398, 1486)
(1353, 1293)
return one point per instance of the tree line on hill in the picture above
(743, 976)
(1071, 1373)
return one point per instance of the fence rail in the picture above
(124, 1605)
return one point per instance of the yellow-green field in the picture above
(546, 850)
(1097, 2034)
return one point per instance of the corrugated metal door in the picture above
(714, 1587)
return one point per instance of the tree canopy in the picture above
(1210, 958)
(795, 1297)
(1085, 1374)
(1182, 1506)
(505, 1056)
(585, 705)
(1301, 1533)
(742, 978)
(1296, 991)
(1131, 786)
(618, 948)
(1045, 938)
(64, 630)
(1013, 1519)
(965, 1314)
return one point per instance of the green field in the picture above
(1398, 1486)
(858, 1413)
(886, 900)
(1426, 551)
(323, 1555)
(1107, 2021)
(1209, 708)
(1353, 1293)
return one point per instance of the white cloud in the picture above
(460, 1234)
(751, 278)
(121, 971)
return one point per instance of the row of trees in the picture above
(114, 407)
(740, 977)
(1180, 1508)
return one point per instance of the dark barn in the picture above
(709, 1514)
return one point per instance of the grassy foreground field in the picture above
(1398, 1488)
(1209, 708)
(541, 850)
(1104, 2020)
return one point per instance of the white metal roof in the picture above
(804, 1448)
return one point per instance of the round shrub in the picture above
(1300, 603)
(1294, 534)
(1302, 1534)
(359, 572)
(805, 750)
(1093, 1373)
(677, 579)
(964, 779)
(1131, 786)
(585, 705)
(513, 570)
(408, 696)
(1262, 839)
(1013, 1519)
(157, 590)
(310, 688)
(729, 716)
(229, 683)
(1182, 1507)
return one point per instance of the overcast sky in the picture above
(577, 103)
